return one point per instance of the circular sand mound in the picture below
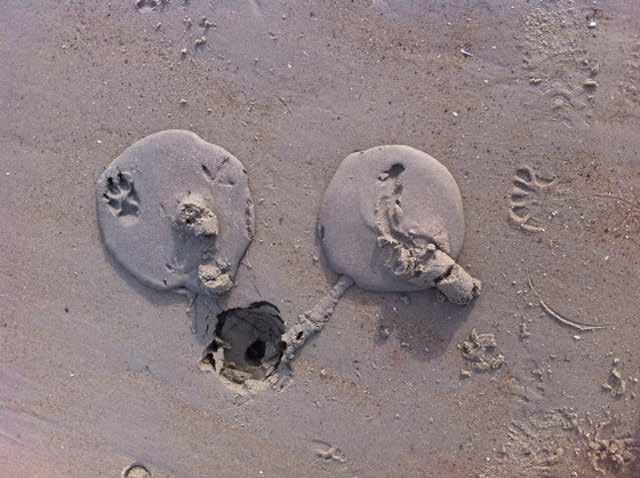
(176, 212)
(391, 196)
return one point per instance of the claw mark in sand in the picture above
(215, 175)
(525, 197)
(121, 195)
(563, 320)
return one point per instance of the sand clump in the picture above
(615, 384)
(480, 350)
(196, 217)
(214, 279)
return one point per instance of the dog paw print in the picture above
(526, 198)
(121, 195)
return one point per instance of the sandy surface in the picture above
(98, 372)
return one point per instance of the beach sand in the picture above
(533, 107)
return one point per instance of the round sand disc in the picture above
(138, 197)
(430, 200)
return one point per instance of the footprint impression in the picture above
(391, 221)
(526, 199)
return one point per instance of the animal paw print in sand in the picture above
(121, 195)
(525, 199)
(146, 4)
(570, 106)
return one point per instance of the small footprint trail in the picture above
(527, 199)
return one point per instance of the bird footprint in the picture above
(525, 199)
(121, 195)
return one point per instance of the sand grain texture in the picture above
(98, 372)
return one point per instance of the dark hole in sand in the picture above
(247, 343)
(255, 352)
(396, 170)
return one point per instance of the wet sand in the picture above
(98, 371)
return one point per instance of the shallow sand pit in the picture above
(247, 347)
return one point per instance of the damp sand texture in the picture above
(392, 220)
(176, 212)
